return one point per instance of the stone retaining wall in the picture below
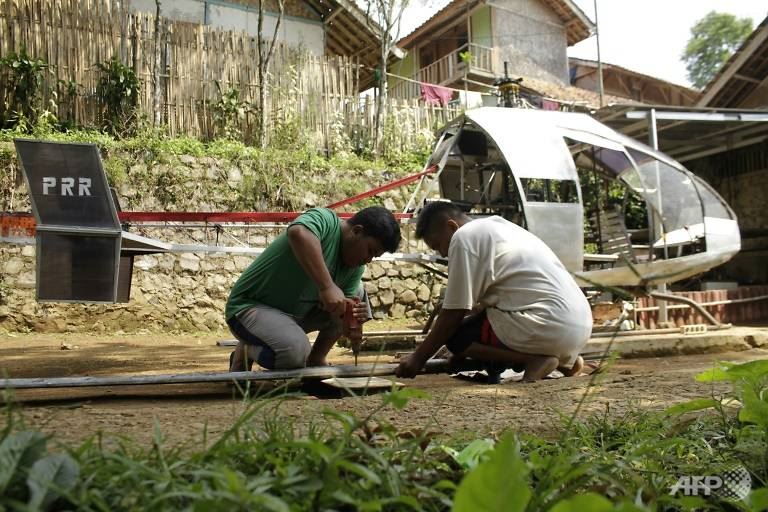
(187, 292)
(182, 292)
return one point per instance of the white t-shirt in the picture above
(532, 302)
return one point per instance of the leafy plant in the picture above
(28, 474)
(24, 90)
(265, 461)
(66, 95)
(229, 111)
(118, 90)
(749, 432)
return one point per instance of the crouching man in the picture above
(528, 312)
(301, 284)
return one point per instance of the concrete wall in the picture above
(531, 38)
(296, 32)
(746, 194)
(300, 26)
(408, 67)
(192, 11)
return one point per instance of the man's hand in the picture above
(360, 311)
(409, 367)
(332, 300)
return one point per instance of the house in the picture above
(323, 27)
(467, 43)
(625, 83)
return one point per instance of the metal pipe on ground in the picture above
(685, 300)
(705, 304)
(317, 372)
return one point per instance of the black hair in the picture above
(438, 210)
(379, 223)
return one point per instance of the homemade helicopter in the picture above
(561, 174)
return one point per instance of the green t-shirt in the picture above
(276, 278)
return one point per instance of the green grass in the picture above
(335, 461)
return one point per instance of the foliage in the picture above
(152, 165)
(29, 475)
(65, 96)
(265, 461)
(25, 83)
(229, 111)
(118, 91)
(633, 462)
(269, 461)
(749, 432)
(713, 40)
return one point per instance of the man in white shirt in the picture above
(529, 310)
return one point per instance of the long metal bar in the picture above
(224, 217)
(600, 87)
(653, 141)
(316, 372)
(663, 115)
(652, 332)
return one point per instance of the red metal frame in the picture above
(213, 217)
(383, 188)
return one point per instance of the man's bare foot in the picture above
(575, 370)
(539, 368)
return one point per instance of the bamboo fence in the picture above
(318, 93)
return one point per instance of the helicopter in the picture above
(614, 210)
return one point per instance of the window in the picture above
(539, 190)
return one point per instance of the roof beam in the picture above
(745, 78)
(333, 14)
(720, 149)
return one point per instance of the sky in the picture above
(647, 36)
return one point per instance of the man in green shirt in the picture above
(300, 284)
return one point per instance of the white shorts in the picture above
(524, 331)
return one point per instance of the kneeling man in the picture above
(528, 311)
(301, 283)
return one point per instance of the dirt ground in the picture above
(184, 411)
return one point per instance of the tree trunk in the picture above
(157, 91)
(381, 107)
(263, 68)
